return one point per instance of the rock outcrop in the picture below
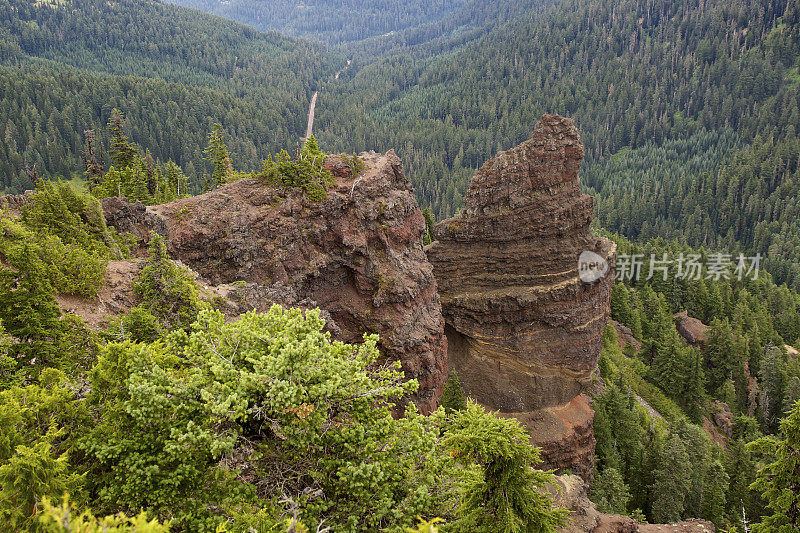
(625, 336)
(524, 330)
(571, 493)
(693, 331)
(357, 255)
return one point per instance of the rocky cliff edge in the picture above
(356, 254)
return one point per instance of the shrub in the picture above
(307, 172)
(64, 519)
(38, 425)
(138, 325)
(168, 291)
(63, 236)
(265, 422)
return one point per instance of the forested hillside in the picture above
(709, 192)
(173, 72)
(629, 74)
(330, 21)
(658, 451)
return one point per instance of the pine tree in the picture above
(122, 151)
(621, 304)
(716, 489)
(508, 496)
(30, 312)
(694, 394)
(92, 168)
(610, 492)
(672, 481)
(453, 398)
(741, 469)
(722, 353)
(430, 220)
(217, 154)
(779, 481)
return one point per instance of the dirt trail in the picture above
(313, 105)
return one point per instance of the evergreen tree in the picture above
(714, 494)
(610, 492)
(430, 220)
(167, 290)
(779, 481)
(92, 168)
(453, 398)
(122, 151)
(217, 154)
(30, 313)
(722, 353)
(507, 497)
(672, 481)
(741, 470)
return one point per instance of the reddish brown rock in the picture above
(132, 218)
(357, 255)
(565, 435)
(524, 330)
(693, 331)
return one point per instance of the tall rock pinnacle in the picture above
(524, 330)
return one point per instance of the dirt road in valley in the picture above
(311, 108)
(313, 105)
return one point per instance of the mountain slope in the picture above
(69, 65)
(329, 20)
(662, 70)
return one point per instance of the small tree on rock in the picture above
(453, 395)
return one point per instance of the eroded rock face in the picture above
(357, 255)
(693, 331)
(524, 330)
(572, 493)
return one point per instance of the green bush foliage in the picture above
(138, 325)
(65, 519)
(167, 290)
(251, 421)
(306, 172)
(62, 235)
(41, 336)
(39, 425)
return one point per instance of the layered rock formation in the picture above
(524, 330)
(357, 255)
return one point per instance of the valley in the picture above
(286, 266)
